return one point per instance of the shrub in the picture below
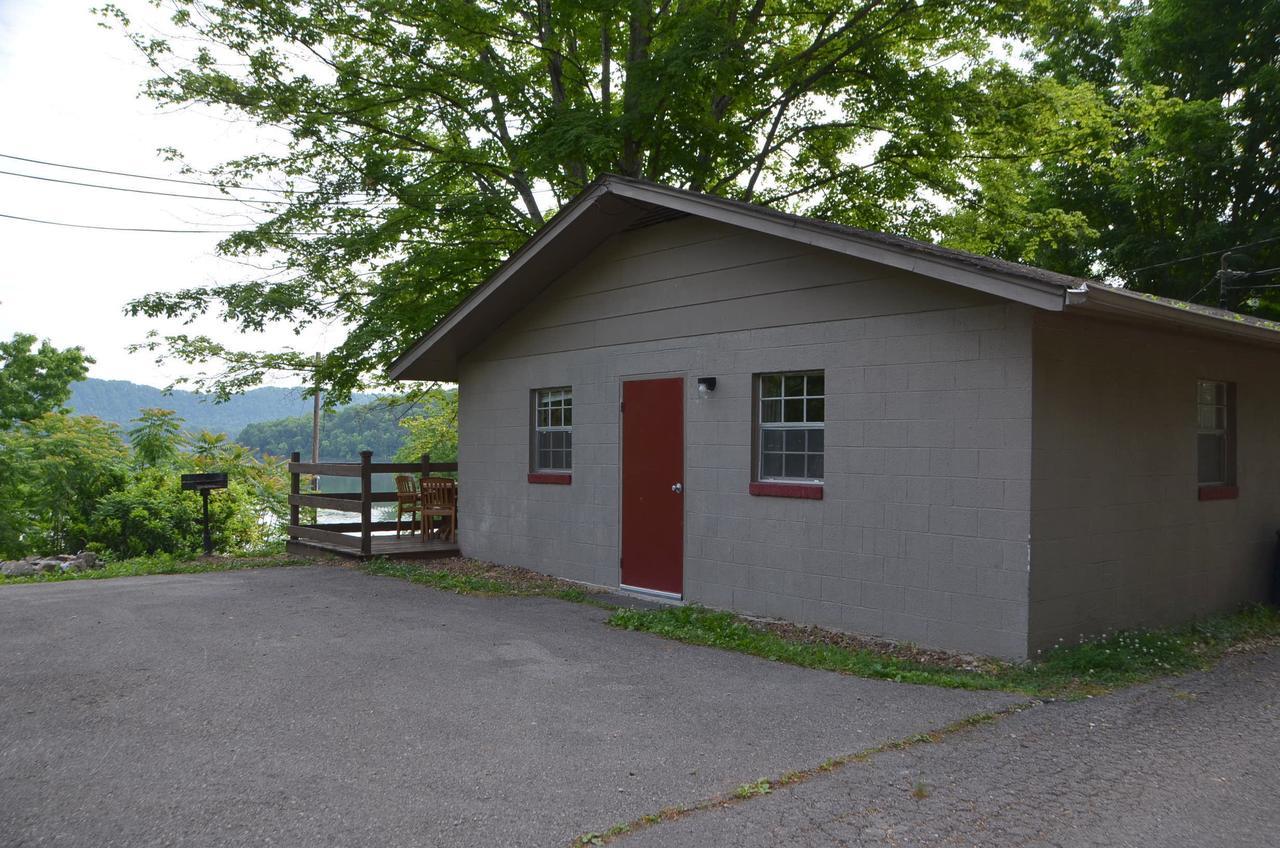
(152, 514)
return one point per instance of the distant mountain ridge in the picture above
(120, 400)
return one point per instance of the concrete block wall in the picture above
(1120, 537)
(922, 533)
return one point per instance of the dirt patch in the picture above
(811, 635)
(512, 578)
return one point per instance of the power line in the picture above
(141, 176)
(1203, 255)
(131, 229)
(138, 190)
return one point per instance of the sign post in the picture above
(205, 483)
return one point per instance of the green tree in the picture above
(428, 138)
(208, 448)
(157, 436)
(34, 380)
(264, 479)
(1182, 101)
(434, 432)
(344, 432)
(53, 471)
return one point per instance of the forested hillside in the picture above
(343, 433)
(119, 401)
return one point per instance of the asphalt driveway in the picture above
(1187, 762)
(321, 706)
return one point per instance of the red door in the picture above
(653, 485)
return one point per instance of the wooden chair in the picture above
(408, 500)
(439, 499)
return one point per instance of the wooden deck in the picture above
(402, 547)
(366, 538)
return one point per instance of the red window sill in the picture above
(810, 491)
(1219, 493)
(550, 477)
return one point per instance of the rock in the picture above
(22, 568)
(44, 564)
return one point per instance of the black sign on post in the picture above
(205, 483)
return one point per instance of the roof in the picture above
(612, 204)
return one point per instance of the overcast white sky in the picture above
(69, 94)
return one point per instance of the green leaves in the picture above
(435, 431)
(157, 437)
(427, 139)
(53, 470)
(34, 381)
(1171, 104)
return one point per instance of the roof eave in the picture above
(1008, 286)
(445, 369)
(1108, 300)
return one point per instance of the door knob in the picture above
(677, 488)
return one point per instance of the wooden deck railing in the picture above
(334, 533)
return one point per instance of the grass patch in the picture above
(1090, 668)
(472, 577)
(160, 564)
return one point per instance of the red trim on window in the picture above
(550, 477)
(811, 491)
(1219, 493)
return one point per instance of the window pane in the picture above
(771, 465)
(793, 386)
(793, 411)
(568, 440)
(771, 440)
(794, 465)
(815, 466)
(1207, 417)
(815, 410)
(544, 459)
(544, 441)
(795, 441)
(544, 418)
(814, 385)
(771, 386)
(815, 441)
(1206, 392)
(567, 415)
(771, 411)
(556, 416)
(1211, 450)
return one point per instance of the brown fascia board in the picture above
(611, 203)
(1151, 309)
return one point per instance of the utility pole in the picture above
(315, 425)
(1242, 281)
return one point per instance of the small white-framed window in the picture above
(553, 429)
(1215, 433)
(790, 426)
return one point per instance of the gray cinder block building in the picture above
(717, 402)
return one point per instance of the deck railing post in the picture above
(366, 502)
(294, 489)
(426, 465)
